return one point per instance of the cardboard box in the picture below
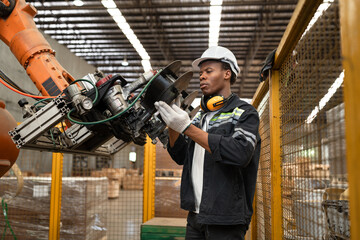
(167, 197)
(317, 171)
(163, 159)
(113, 188)
(132, 172)
(133, 182)
(98, 173)
(168, 172)
(45, 175)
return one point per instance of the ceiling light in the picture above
(114, 12)
(319, 12)
(78, 3)
(331, 91)
(125, 62)
(216, 2)
(119, 20)
(132, 156)
(146, 65)
(128, 32)
(214, 22)
(108, 3)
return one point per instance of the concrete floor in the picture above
(124, 215)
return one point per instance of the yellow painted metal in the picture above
(261, 91)
(55, 199)
(149, 180)
(276, 199)
(350, 44)
(146, 184)
(302, 15)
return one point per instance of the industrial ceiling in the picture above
(168, 30)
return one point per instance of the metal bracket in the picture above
(33, 127)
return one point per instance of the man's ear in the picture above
(227, 75)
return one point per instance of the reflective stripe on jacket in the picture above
(229, 171)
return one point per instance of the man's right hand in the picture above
(174, 117)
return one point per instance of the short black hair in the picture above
(225, 66)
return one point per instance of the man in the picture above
(219, 149)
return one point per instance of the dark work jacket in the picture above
(230, 169)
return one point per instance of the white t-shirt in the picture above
(197, 170)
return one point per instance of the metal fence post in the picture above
(55, 199)
(350, 44)
(276, 199)
(149, 180)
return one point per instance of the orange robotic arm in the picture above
(19, 32)
(106, 110)
(31, 49)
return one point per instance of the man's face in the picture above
(213, 78)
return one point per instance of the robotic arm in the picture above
(95, 115)
(19, 32)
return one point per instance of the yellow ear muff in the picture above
(215, 103)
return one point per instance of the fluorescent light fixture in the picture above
(321, 9)
(78, 3)
(146, 65)
(119, 19)
(216, 2)
(132, 38)
(108, 3)
(129, 33)
(331, 91)
(114, 12)
(214, 22)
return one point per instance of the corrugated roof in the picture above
(168, 30)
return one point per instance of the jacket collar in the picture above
(233, 102)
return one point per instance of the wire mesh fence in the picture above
(167, 186)
(123, 201)
(28, 212)
(263, 186)
(314, 175)
(102, 197)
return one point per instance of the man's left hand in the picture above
(174, 117)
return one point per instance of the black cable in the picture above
(4, 77)
(10, 82)
(5, 10)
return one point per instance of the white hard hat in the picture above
(221, 54)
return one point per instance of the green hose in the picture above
(85, 80)
(118, 114)
(7, 223)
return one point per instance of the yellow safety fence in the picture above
(306, 187)
(71, 196)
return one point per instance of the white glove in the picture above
(174, 117)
